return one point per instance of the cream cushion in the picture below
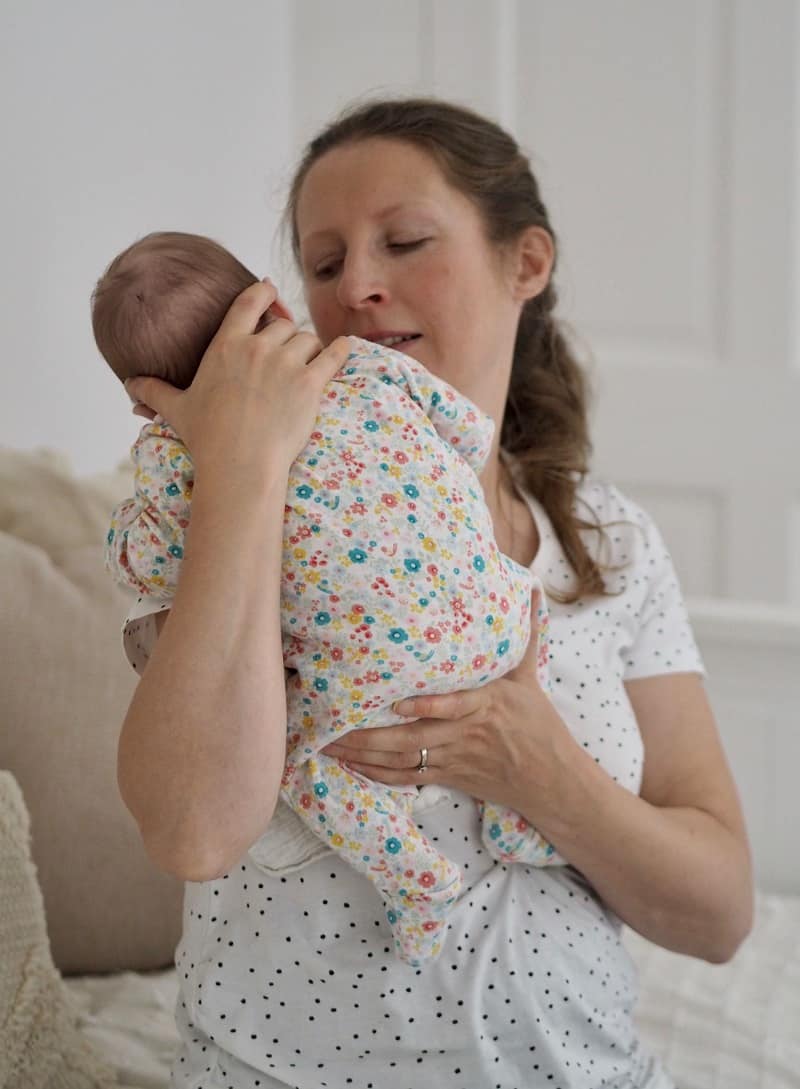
(64, 689)
(41, 1046)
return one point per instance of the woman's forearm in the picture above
(678, 876)
(202, 747)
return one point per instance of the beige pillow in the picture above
(41, 1046)
(64, 689)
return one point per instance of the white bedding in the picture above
(730, 1026)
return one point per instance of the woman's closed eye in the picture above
(411, 244)
(329, 268)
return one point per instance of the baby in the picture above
(392, 583)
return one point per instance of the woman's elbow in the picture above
(733, 930)
(197, 859)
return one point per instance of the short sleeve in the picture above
(139, 632)
(662, 638)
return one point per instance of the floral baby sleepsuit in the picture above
(392, 586)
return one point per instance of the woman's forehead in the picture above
(374, 178)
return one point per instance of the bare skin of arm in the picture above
(202, 746)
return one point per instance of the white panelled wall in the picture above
(666, 139)
(667, 142)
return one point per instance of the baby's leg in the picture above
(506, 835)
(371, 826)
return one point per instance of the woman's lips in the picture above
(390, 339)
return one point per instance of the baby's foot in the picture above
(418, 923)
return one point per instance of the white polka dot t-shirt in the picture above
(291, 981)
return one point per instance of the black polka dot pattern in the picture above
(292, 981)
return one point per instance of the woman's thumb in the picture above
(529, 665)
(155, 394)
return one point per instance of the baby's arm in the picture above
(457, 419)
(144, 546)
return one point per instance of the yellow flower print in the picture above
(299, 553)
(337, 840)
(429, 544)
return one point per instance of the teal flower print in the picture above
(370, 425)
(495, 831)
(304, 492)
(320, 789)
(320, 684)
(357, 555)
(501, 650)
(397, 635)
(411, 491)
(479, 563)
(322, 618)
(393, 845)
(412, 565)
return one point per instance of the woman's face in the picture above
(391, 252)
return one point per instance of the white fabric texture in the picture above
(728, 1026)
(734, 1025)
(40, 1045)
(536, 986)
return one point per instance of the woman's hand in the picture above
(500, 742)
(256, 393)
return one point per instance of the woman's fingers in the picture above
(152, 393)
(246, 310)
(527, 672)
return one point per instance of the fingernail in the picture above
(403, 707)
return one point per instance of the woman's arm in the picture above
(202, 746)
(673, 863)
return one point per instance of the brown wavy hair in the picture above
(545, 425)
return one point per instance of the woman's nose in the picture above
(361, 282)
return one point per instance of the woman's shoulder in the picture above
(619, 531)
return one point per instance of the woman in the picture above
(419, 224)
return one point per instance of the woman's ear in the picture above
(534, 254)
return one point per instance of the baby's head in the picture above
(159, 303)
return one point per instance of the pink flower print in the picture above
(521, 825)
(305, 801)
(400, 457)
(447, 667)
(389, 500)
(433, 635)
(427, 879)
(504, 606)
(337, 654)
(430, 925)
(479, 661)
